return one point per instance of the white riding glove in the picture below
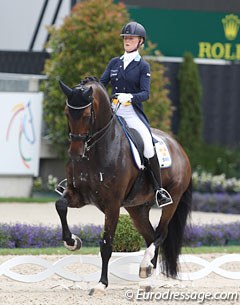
(124, 97)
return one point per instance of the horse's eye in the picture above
(87, 118)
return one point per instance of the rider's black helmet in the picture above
(134, 29)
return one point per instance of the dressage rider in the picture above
(129, 76)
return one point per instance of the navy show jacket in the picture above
(135, 79)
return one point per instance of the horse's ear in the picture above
(88, 92)
(66, 90)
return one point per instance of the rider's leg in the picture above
(133, 121)
(162, 196)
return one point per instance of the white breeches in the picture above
(133, 121)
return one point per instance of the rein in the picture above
(104, 130)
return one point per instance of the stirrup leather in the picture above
(165, 192)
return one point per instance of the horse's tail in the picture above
(171, 247)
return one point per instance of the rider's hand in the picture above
(124, 97)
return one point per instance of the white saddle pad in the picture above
(163, 154)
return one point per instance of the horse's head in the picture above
(79, 112)
(82, 109)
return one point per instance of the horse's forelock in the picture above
(75, 114)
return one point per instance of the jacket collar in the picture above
(137, 58)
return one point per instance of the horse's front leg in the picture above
(111, 219)
(71, 241)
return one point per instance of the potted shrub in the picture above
(127, 239)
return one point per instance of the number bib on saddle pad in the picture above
(163, 154)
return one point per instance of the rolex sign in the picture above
(229, 50)
(212, 35)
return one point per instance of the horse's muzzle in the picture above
(75, 158)
(76, 151)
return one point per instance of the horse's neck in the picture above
(107, 143)
(104, 114)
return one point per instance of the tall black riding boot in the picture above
(161, 195)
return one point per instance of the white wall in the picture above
(19, 18)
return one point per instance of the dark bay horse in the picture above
(101, 172)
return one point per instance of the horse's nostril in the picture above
(76, 150)
(77, 158)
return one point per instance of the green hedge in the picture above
(127, 239)
(216, 160)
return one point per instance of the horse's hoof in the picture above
(77, 243)
(91, 292)
(145, 272)
(146, 288)
(99, 289)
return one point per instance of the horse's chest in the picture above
(83, 178)
(92, 186)
(89, 179)
(92, 182)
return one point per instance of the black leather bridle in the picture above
(90, 138)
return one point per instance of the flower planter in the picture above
(228, 203)
(45, 194)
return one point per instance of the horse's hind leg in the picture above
(71, 241)
(140, 217)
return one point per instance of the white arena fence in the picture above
(125, 267)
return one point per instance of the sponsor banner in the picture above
(211, 35)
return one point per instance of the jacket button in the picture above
(116, 79)
(116, 87)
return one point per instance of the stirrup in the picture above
(162, 191)
(60, 188)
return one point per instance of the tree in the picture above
(158, 109)
(190, 95)
(82, 46)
